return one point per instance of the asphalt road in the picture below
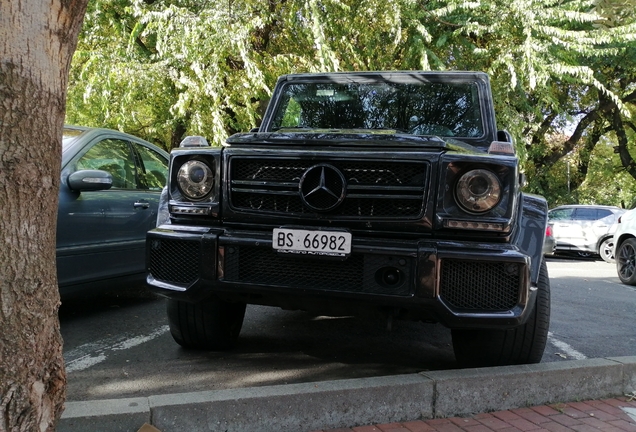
(118, 344)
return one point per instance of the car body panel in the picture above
(625, 227)
(549, 243)
(101, 233)
(625, 247)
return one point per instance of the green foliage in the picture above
(607, 183)
(163, 69)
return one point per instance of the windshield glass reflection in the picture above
(423, 108)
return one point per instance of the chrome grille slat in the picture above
(375, 189)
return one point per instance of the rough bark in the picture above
(37, 40)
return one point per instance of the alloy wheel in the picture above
(606, 250)
(626, 261)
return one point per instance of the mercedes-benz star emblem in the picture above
(322, 187)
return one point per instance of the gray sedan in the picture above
(109, 193)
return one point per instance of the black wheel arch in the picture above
(621, 239)
(520, 345)
(530, 233)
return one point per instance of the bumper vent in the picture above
(357, 274)
(374, 189)
(174, 261)
(467, 285)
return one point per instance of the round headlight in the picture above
(195, 179)
(478, 191)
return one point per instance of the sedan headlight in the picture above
(478, 191)
(195, 179)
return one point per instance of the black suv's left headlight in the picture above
(195, 179)
(478, 191)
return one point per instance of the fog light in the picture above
(190, 210)
(389, 276)
(473, 225)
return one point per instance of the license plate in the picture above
(311, 242)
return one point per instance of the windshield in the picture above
(423, 108)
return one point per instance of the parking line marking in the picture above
(630, 412)
(92, 353)
(566, 348)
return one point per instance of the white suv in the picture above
(585, 229)
(625, 247)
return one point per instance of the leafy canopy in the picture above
(163, 69)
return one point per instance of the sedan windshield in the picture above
(423, 108)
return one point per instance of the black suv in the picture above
(386, 193)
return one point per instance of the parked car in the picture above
(385, 194)
(625, 247)
(585, 229)
(109, 193)
(549, 242)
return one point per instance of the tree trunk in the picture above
(37, 41)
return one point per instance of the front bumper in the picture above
(460, 284)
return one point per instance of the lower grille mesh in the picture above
(464, 285)
(264, 266)
(476, 285)
(174, 261)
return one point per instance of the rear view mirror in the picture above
(90, 180)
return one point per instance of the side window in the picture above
(114, 157)
(560, 214)
(605, 215)
(154, 168)
(587, 214)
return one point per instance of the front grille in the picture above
(357, 274)
(472, 285)
(174, 261)
(375, 189)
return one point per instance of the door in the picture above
(563, 227)
(594, 225)
(101, 234)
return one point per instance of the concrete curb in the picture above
(346, 403)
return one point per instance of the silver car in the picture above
(585, 229)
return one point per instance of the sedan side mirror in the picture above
(90, 180)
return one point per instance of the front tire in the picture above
(211, 325)
(626, 262)
(520, 345)
(606, 250)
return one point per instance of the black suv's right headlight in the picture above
(478, 191)
(195, 183)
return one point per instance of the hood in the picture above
(334, 137)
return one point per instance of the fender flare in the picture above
(530, 235)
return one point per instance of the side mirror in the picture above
(90, 180)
